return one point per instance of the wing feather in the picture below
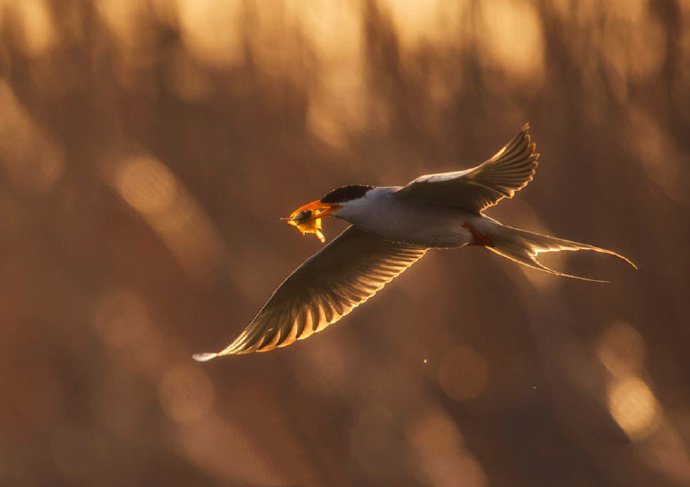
(326, 287)
(475, 189)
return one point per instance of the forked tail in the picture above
(523, 247)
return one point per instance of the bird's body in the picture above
(396, 220)
(392, 228)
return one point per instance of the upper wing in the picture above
(327, 286)
(475, 189)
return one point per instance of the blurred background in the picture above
(148, 148)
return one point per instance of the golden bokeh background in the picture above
(148, 148)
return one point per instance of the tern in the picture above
(391, 229)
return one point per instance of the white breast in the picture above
(430, 226)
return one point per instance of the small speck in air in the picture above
(426, 360)
(534, 387)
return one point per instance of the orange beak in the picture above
(318, 208)
(307, 218)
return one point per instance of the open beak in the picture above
(307, 218)
(319, 209)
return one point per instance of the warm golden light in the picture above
(148, 149)
(38, 26)
(32, 161)
(634, 407)
(431, 21)
(212, 30)
(152, 189)
(209, 442)
(513, 40)
(439, 448)
(621, 349)
(146, 184)
(435, 433)
(338, 101)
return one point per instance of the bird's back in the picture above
(398, 220)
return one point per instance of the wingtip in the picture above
(204, 357)
(624, 259)
(581, 278)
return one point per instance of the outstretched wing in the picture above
(477, 188)
(326, 287)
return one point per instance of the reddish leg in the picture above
(479, 238)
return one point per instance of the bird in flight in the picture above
(391, 228)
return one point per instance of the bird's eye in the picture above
(303, 215)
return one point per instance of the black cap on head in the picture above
(346, 193)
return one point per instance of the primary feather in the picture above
(477, 188)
